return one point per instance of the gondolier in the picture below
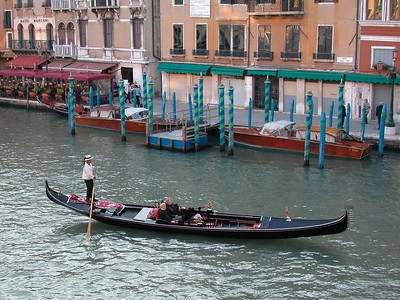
(88, 176)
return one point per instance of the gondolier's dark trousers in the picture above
(89, 189)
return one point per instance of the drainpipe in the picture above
(357, 37)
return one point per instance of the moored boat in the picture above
(198, 221)
(60, 108)
(282, 135)
(109, 117)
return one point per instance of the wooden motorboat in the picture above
(198, 221)
(283, 136)
(109, 117)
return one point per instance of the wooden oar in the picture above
(90, 216)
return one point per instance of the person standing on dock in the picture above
(378, 113)
(88, 176)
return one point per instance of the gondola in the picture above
(61, 108)
(198, 221)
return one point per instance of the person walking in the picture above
(88, 177)
(367, 110)
(378, 113)
(127, 90)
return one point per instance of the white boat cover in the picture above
(130, 111)
(275, 127)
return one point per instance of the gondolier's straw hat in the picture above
(88, 157)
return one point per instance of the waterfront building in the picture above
(103, 36)
(6, 31)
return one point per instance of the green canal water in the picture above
(43, 254)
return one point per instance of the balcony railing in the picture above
(62, 4)
(228, 53)
(177, 51)
(324, 56)
(34, 45)
(65, 50)
(275, 7)
(200, 52)
(263, 54)
(104, 3)
(290, 55)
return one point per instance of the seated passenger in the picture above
(172, 208)
(165, 216)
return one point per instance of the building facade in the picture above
(6, 32)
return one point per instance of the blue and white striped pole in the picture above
(321, 159)
(221, 118)
(382, 130)
(348, 118)
(340, 107)
(307, 141)
(174, 105)
(134, 98)
(91, 98)
(122, 109)
(272, 110)
(145, 90)
(267, 96)
(196, 117)
(363, 114)
(291, 113)
(331, 113)
(98, 96)
(151, 118)
(231, 139)
(201, 97)
(71, 105)
(190, 107)
(250, 113)
(110, 97)
(164, 104)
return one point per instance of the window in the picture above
(292, 42)
(82, 23)
(264, 41)
(374, 9)
(70, 34)
(7, 19)
(137, 25)
(31, 30)
(201, 36)
(325, 43)
(231, 40)
(178, 2)
(383, 54)
(394, 10)
(178, 36)
(61, 34)
(108, 32)
(9, 40)
(49, 36)
(20, 34)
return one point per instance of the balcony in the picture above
(32, 45)
(97, 4)
(228, 53)
(263, 54)
(200, 52)
(177, 51)
(65, 50)
(324, 56)
(276, 7)
(291, 55)
(62, 4)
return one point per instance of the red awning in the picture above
(85, 66)
(18, 72)
(26, 62)
(63, 75)
(59, 64)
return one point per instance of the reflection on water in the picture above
(44, 256)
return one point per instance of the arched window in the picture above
(137, 29)
(20, 34)
(49, 36)
(61, 34)
(31, 30)
(70, 34)
(82, 25)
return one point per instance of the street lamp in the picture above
(392, 76)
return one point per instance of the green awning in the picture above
(312, 75)
(261, 72)
(183, 68)
(228, 71)
(370, 78)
